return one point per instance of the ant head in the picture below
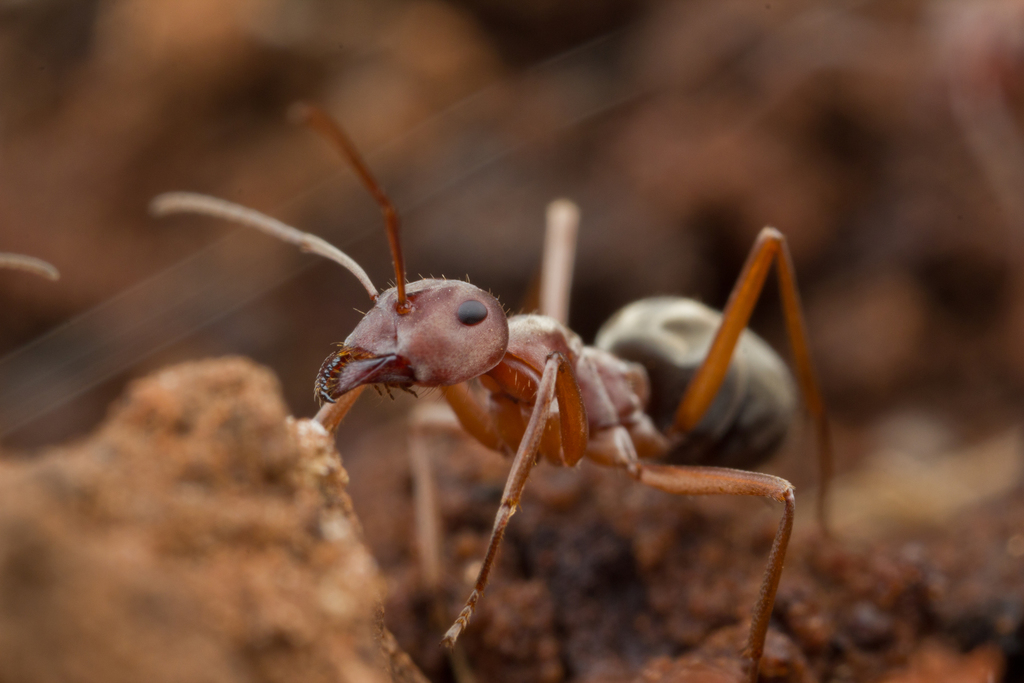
(450, 332)
(429, 333)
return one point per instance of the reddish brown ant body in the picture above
(546, 394)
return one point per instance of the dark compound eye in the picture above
(471, 312)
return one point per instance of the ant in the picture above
(29, 264)
(647, 389)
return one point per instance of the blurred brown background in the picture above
(883, 138)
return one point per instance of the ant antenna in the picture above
(317, 119)
(29, 264)
(193, 202)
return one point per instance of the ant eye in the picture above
(471, 312)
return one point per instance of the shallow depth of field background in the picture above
(885, 139)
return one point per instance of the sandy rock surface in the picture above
(199, 535)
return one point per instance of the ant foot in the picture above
(461, 622)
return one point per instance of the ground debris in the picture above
(935, 663)
(603, 581)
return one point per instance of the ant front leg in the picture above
(558, 381)
(330, 415)
(472, 415)
(769, 248)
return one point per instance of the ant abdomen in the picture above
(670, 336)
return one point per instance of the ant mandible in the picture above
(547, 394)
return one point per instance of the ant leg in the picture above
(696, 481)
(769, 248)
(493, 428)
(553, 382)
(563, 218)
(331, 414)
(429, 418)
(473, 415)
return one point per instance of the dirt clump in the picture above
(199, 535)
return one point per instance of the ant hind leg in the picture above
(770, 247)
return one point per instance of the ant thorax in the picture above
(614, 391)
(532, 338)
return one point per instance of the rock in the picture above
(199, 535)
